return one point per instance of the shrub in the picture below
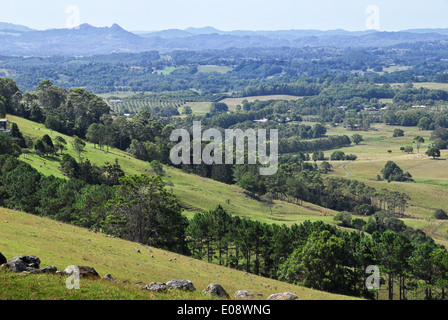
(345, 218)
(408, 149)
(440, 214)
(392, 172)
(338, 155)
(398, 133)
(440, 144)
(358, 223)
(364, 209)
(351, 157)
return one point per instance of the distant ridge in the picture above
(90, 40)
(13, 27)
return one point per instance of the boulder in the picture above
(15, 266)
(156, 287)
(215, 289)
(2, 259)
(243, 294)
(283, 296)
(109, 277)
(85, 272)
(181, 284)
(50, 269)
(31, 270)
(28, 261)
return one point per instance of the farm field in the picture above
(198, 108)
(118, 94)
(428, 193)
(213, 68)
(201, 108)
(431, 85)
(427, 85)
(396, 68)
(233, 102)
(132, 105)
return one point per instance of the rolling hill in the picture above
(196, 194)
(61, 245)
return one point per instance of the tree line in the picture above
(323, 257)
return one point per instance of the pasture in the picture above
(61, 245)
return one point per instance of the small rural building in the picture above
(4, 125)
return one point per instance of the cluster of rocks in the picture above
(31, 265)
(213, 289)
(27, 264)
(178, 284)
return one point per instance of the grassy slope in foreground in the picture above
(61, 245)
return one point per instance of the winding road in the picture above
(346, 170)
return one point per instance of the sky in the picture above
(151, 15)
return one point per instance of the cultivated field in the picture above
(429, 191)
(427, 85)
(214, 68)
(233, 102)
(201, 108)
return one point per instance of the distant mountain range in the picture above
(280, 34)
(90, 40)
(13, 27)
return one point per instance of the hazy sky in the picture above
(150, 15)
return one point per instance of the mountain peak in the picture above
(85, 26)
(116, 27)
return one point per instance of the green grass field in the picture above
(429, 191)
(432, 85)
(166, 70)
(396, 68)
(213, 68)
(62, 245)
(119, 94)
(233, 102)
(427, 85)
(201, 108)
(198, 108)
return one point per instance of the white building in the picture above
(4, 125)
